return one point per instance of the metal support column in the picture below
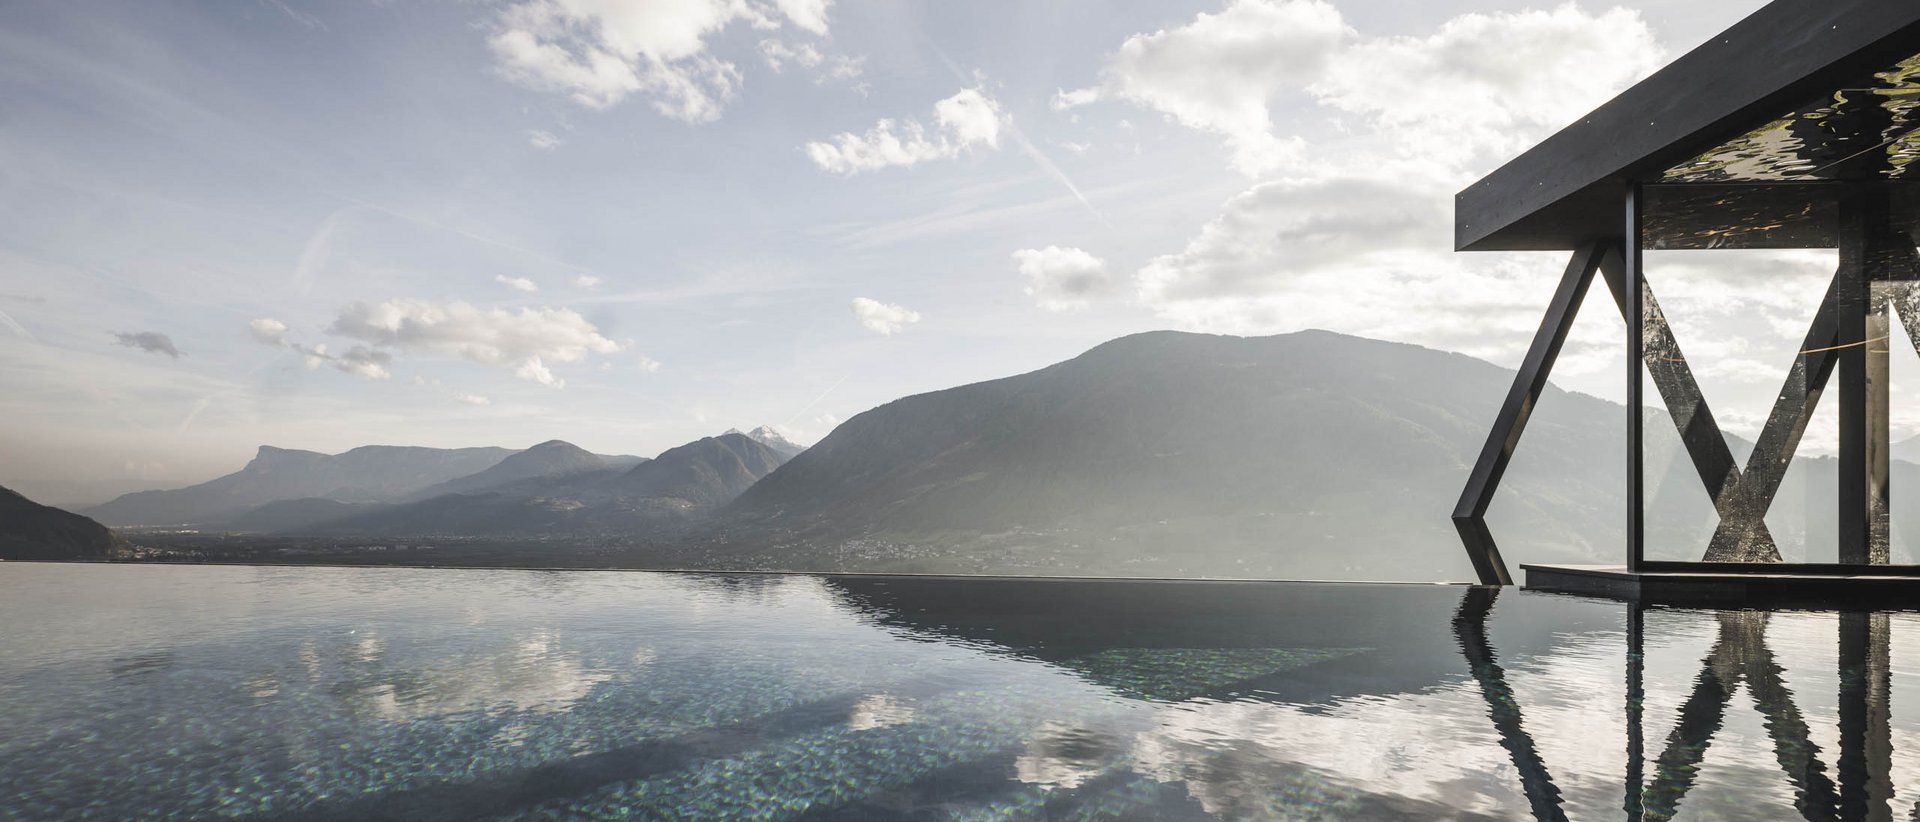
(1861, 308)
(1469, 515)
(1632, 286)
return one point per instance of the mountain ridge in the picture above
(31, 531)
(661, 493)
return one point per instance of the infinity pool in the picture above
(339, 693)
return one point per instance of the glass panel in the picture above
(1777, 185)
(1864, 132)
(1803, 517)
(1726, 374)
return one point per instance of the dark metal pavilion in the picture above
(1792, 129)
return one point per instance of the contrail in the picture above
(195, 413)
(17, 328)
(1027, 147)
(816, 401)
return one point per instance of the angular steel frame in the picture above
(1878, 276)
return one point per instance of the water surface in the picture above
(369, 693)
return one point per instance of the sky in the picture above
(632, 223)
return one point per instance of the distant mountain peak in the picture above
(771, 437)
(271, 451)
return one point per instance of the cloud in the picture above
(456, 396)
(268, 332)
(1220, 72)
(542, 139)
(587, 281)
(649, 364)
(883, 318)
(1355, 235)
(152, 342)
(312, 357)
(517, 283)
(599, 52)
(522, 341)
(295, 15)
(838, 67)
(808, 15)
(1063, 279)
(1484, 87)
(1275, 231)
(968, 120)
(14, 327)
(362, 361)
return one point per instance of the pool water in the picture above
(344, 693)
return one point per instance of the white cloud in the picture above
(1220, 72)
(1063, 279)
(267, 331)
(359, 360)
(522, 341)
(517, 283)
(542, 139)
(1276, 231)
(1484, 87)
(968, 120)
(883, 318)
(587, 281)
(1355, 235)
(362, 361)
(809, 15)
(778, 54)
(532, 369)
(649, 364)
(472, 399)
(599, 52)
(313, 357)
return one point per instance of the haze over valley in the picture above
(1156, 454)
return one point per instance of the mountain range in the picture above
(1305, 455)
(554, 486)
(646, 500)
(372, 473)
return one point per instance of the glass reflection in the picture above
(1858, 133)
(1837, 380)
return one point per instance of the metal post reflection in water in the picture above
(1866, 734)
(1470, 629)
(1636, 697)
(1739, 656)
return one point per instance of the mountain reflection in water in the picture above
(418, 694)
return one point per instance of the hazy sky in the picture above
(631, 223)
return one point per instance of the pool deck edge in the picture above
(1724, 589)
